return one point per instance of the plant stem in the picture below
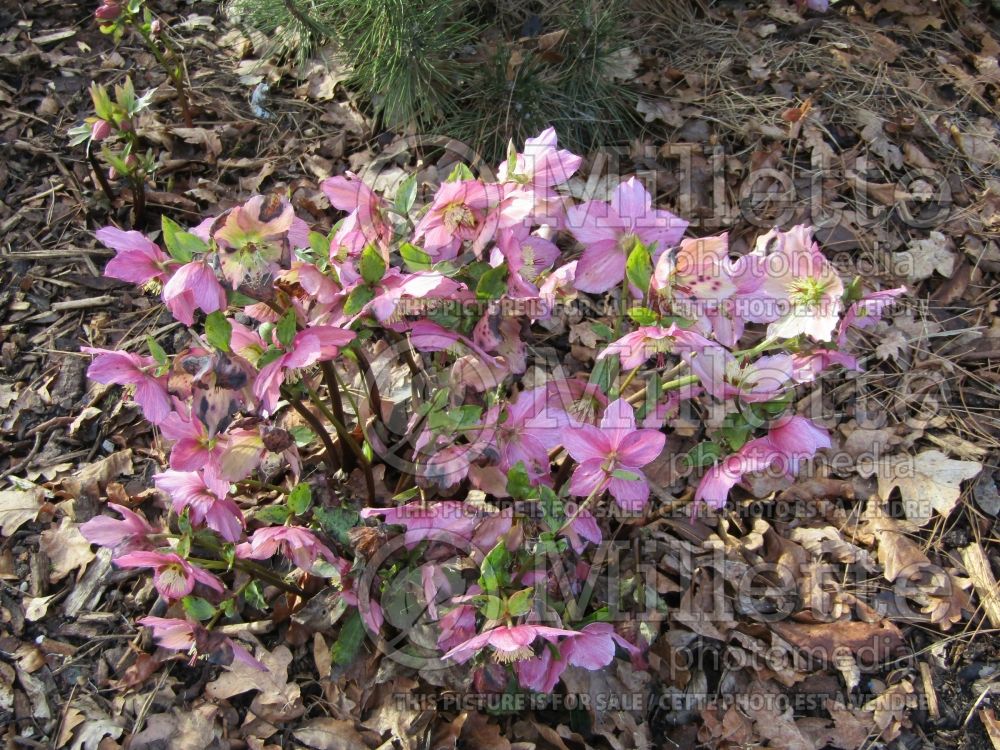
(102, 180)
(330, 378)
(595, 493)
(174, 73)
(331, 454)
(346, 438)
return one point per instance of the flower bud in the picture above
(100, 130)
(113, 174)
(125, 125)
(108, 11)
(276, 439)
(156, 27)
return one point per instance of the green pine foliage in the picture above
(479, 71)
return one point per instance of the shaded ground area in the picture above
(876, 122)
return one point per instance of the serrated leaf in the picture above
(492, 607)
(520, 602)
(643, 316)
(254, 596)
(415, 258)
(406, 194)
(371, 266)
(197, 608)
(639, 267)
(156, 350)
(273, 514)
(287, 328)
(518, 482)
(493, 283)
(460, 173)
(218, 331)
(348, 643)
(299, 499)
(359, 297)
(180, 244)
(337, 522)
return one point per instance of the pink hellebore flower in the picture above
(205, 497)
(593, 649)
(803, 286)
(456, 214)
(510, 643)
(193, 286)
(792, 440)
(582, 529)
(635, 348)
(173, 576)
(867, 311)
(300, 545)
(138, 258)
(611, 456)
(309, 346)
(193, 448)
(609, 231)
(366, 224)
(183, 635)
(128, 534)
(527, 430)
(542, 164)
(445, 520)
(125, 368)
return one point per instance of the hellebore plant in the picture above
(321, 370)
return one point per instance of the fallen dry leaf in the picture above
(330, 734)
(66, 548)
(927, 482)
(17, 507)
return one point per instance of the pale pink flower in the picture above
(138, 258)
(444, 519)
(790, 441)
(173, 576)
(528, 256)
(311, 345)
(183, 635)
(751, 380)
(609, 231)
(300, 545)
(130, 533)
(611, 456)
(366, 223)
(541, 164)
(125, 368)
(193, 448)
(510, 643)
(582, 529)
(255, 239)
(593, 649)
(455, 215)
(205, 496)
(805, 288)
(867, 311)
(807, 366)
(193, 286)
(458, 625)
(635, 348)
(246, 448)
(526, 430)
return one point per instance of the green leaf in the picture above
(183, 547)
(415, 258)
(320, 245)
(520, 602)
(337, 522)
(156, 350)
(254, 596)
(406, 194)
(372, 266)
(287, 328)
(518, 482)
(551, 507)
(275, 515)
(218, 330)
(405, 495)
(629, 476)
(605, 373)
(180, 244)
(493, 571)
(702, 454)
(643, 316)
(302, 435)
(197, 608)
(639, 267)
(493, 607)
(357, 299)
(348, 643)
(493, 283)
(299, 499)
(603, 331)
(736, 436)
(459, 173)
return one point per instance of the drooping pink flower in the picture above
(751, 380)
(807, 366)
(205, 497)
(582, 529)
(175, 634)
(444, 519)
(867, 311)
(528, 256)
(138, 259)
(458, 625)
(193, 448)
(125, 368)
(311, 345)
(611, 457)
(805, 288)
(366, 223)
(396, 289)
(108, 10)
(455, 215)
(130, 533)
(173, 576)
(790, 441)
(635, 348)
(593, 649)
(526, 430)
(510, 643)
(608, 232)
(193, 286)
(300, 545)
